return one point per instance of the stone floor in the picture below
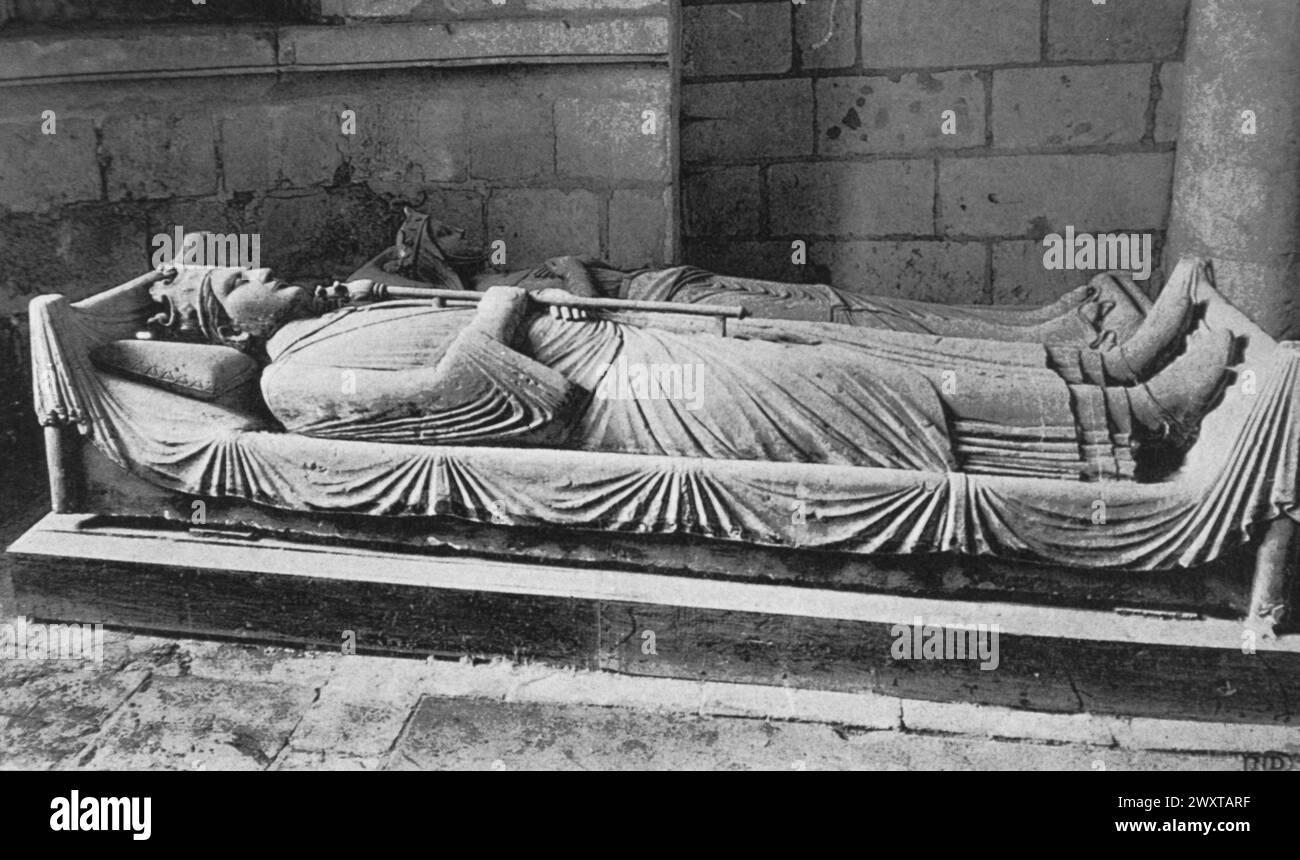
(158, 703)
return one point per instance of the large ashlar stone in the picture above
(536, 224)
(736, 39)
(39, 171)
(877, 114)
(1122, 30)
(951, 272)
(511, 138)
(160, 155)
(747, 119)
(928, 33)
(409, 141)
(772, 260)
(265, 146)
(825, 33)
(843, 198)
(609, 139)
(726, 201)
(1071, 106)
(1032, 195)
(638, 228)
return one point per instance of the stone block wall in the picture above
(550, 160)
(823, 122)
(543, 123)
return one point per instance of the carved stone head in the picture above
(231, 306)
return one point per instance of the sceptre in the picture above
(353, 291)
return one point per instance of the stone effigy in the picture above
(818, 436)
(430, 252)
(506, 372)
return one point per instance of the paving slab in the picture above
(470, 734)
(360, 711)
(193, 723)
(50, 710)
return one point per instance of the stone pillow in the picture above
(195, 370)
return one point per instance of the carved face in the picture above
(258, 303)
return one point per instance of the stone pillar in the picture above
(1237, 195)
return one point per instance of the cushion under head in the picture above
(196, 370)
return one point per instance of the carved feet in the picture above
(1170, 405)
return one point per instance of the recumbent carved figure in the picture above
(508, 372)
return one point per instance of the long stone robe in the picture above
(1069, 319)
(410, 373)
